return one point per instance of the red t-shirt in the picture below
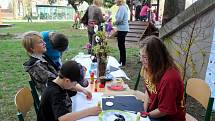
(144, 10)
(168, 96)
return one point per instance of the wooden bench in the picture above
(138, 30)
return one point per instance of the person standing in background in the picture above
(122, 29)
(76, 20)
(144, 12)
(29, 15)
(153, 16)
(95, 17)
(108, 24)
(81, 24)
(138, 6)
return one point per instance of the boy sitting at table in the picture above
(55, 104)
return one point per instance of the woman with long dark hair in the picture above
(164, 86)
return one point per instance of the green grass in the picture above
(12, 75)
(41, 26)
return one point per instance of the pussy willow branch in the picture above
(188, 49)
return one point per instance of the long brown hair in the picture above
(159, 59)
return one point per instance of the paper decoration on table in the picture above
(109, 104)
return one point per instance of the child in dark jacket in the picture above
(55, 102)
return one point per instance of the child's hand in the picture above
(94, 111)
(89, 97)
(88, 94)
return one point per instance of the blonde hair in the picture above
(28, 40)
(98, 2)
(122, 1)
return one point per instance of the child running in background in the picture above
(108, 27)
(81, 24)
(108, 24)
(76, 20)
(153, 16)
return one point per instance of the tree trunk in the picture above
(171, 9)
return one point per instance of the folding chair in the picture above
(201, 92)
(24, 102)
(34, 95)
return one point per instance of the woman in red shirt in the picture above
(144, 12)
(164, 86)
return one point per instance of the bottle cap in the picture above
(92, 73)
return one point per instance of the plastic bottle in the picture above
(94, 68)
(91, 77)
(96, 85)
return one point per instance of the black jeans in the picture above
(121, 45)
